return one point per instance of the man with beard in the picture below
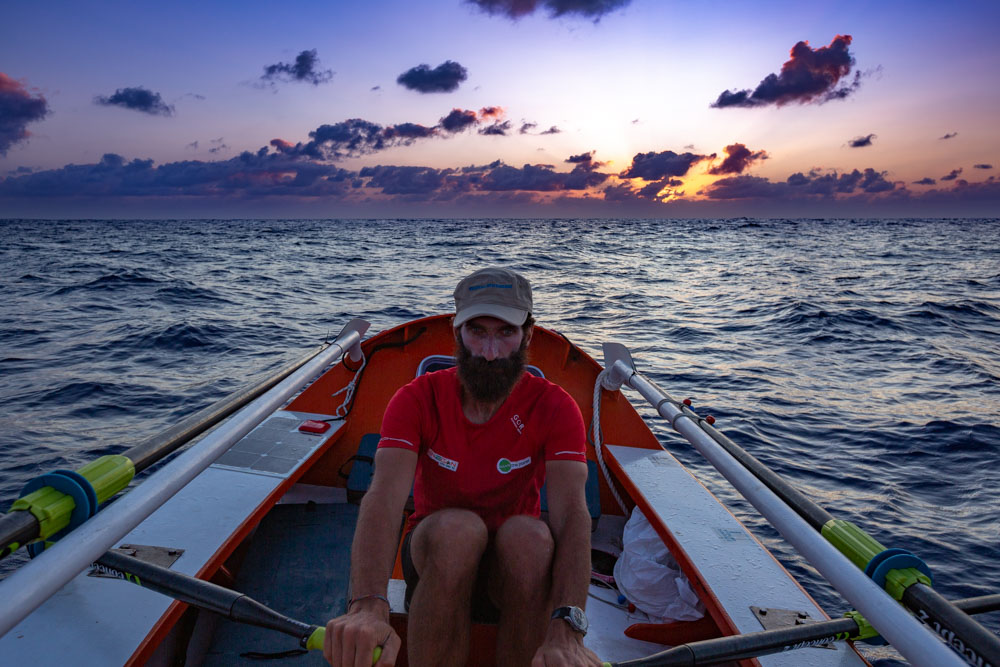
(476, 442)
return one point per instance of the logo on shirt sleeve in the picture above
(505, 465)
(446, 463)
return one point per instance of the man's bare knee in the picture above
(450, 541)
(524, 549)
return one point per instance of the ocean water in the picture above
(860, 359)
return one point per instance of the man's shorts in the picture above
(483, 609)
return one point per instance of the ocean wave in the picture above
(858, 358)
(118, 280)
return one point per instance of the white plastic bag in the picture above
(650, 578)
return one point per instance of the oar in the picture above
(35, 582)
(766, 642)
(899, 573)
(212, 597)
(58, 508)
(243, 609)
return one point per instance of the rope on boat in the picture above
(349, 389)
(596, 434)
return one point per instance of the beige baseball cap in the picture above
(496, 292)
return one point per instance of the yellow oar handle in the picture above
(315, 642)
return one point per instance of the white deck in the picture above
(100, 621)
(738, 570)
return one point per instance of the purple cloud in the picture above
(137, 99)
(799, 185)
(809, 75)
(738, 159)
(516, 9)
(17, 109)
(655, 166)
(304, 70)
(861, 142)
(498, 128)
(952, 175)
(444, 78)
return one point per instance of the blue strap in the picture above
(74, 485)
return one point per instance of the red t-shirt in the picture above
(495, 469)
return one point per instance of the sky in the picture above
(499, 108)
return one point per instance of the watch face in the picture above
(578, 618)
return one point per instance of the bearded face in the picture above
(490, 381)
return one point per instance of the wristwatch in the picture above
(574, 616)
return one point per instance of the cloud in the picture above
(861, 142)
(540, 178)
(304, 69)
(982, 166)
(952, 175)
(17, 109)
(137, 99)
(810, 75)
(801, 186)
(444, 78)
(498, 128)
(249, 174)
(738, 159)
(655, 166)
(527, 127)
(552, 130)
(491, 112)
(405, 180)
(949, 135)
(354, 137)
(516, 9)
(458, 120)
(925, 181)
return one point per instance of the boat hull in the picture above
(221, 522)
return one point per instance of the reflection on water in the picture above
(858, 358)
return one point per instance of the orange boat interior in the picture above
(391, 360)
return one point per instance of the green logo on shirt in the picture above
(505, 465)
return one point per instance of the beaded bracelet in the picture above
(373, 596)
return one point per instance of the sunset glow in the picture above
(443, 109)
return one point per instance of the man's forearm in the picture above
(571, 565)
(373, 551)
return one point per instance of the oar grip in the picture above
(315, 643)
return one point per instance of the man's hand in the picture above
(563, 646)
(351, 639)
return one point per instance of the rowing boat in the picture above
(265, 504)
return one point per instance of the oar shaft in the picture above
(153, 449)
(911, 638)
(968, 638)
(810, 511)
(20, 527)
(748, 645)
(16, 528)
(204, 594)
(766, 642)
(35, 582)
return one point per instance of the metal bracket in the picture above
(162, 556)
(774, 619)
